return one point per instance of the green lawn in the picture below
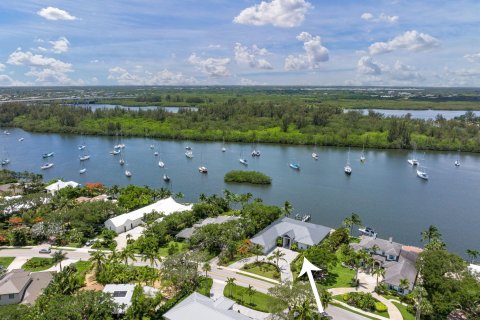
(263, 269)
(255, 277)
(259, 301)
(83, 266)
(5, 261)
(164, 250)
(38, 264)
(205, 286)
(403, 310)
(383, 314)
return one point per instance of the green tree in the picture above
(250, 292)
(351, 221)
(379, 272)
(404, 284)
(287, 208)
(206, 268)
(277, 255)
(98, 258)
(231, 283)
(432, 233)
(126, 254)
(473, 254)
(58, 257)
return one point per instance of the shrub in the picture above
(345, 297)
(380, 307)
(253, 177)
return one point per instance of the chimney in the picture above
(390, 239)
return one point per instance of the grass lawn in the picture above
(38, 264)
(164, 250)
(263, 269)
(205, 286)
(255, 277)
(83, 266)
(5, 261)
(403, 310)
(258, 301)
(383, 314)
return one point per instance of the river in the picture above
(418, 114)
(384, 190)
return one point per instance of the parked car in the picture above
(45, 250)
(90, 242)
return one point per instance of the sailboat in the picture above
(314, 153)
(84, 156)
(421, 172)
(223, 145)
(128, 173)
(457, 162)
(243, 160)
(255, 152)
(21, 139)
(202, 169)
(82, 168)
(166, 178)
(47, 165)
(348, 168)
(152, 146)
(5, 160)
(48, 155)
(155, 154)
(362, 156)
(413, 161)
(189, 154)
(114, 152)
(122, 160)
(294, 166)
(161, 164)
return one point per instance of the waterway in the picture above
(418, 114)
(384, 190)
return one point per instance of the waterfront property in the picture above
(188, 232)
(19, 286)
(128, 221)
(59, 185)
(197, 305)
(398, 261)
(290, 232)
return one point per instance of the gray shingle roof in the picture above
(197, 306)
(14, 281)
(40, 280)
(302, 232)
(390, 248)
(405, 268)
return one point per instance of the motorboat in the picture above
(368, 231)
(189, 154)
(21, 139)
(155, 154)
(81, 147)
(85, 157)
(294, 166)
(413, 162)
(315, 156)
(82, 171)
(243, 161)
(5, 162)
(203, 169)
(48, 155)
(166, 178)
(47, 166)
(114, 152)
(128, 173)
(161, 164)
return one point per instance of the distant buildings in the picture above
(19, 286)
(290, 231)
(59, 185)
(188, 232)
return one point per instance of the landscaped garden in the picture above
(38, 264)
(264, 269)
(171, 248)
(364, 301)
(5, 261)
(249, 297)
(404, 311)
(205, 286)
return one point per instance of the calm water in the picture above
(113, 106)
(420, 114)
(384, 190)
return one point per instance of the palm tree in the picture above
(98, 258)
(202, 197)
(404, 284)
(325, 297)
(231, 282)
(277, 255)
(379, 272)
(352, 220)
(206, 267)
(250, 292)
(305, 310)
(472, 254)
(58, 257)
(287, 208)
(127, 253)
(431, 233)
(179, 195)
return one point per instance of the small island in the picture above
(253, 177)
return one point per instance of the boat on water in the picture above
(5, 162)
(414, 161)
(457, 162)
(114, 152)
(128, 173)
(84, 157)
(161, 164)
(48, 155)
(255, 153)
(314, 156)
(121, 162)
(224, 149)
(223, 146)
(362, 155)
(203, 169)
(367, 231)
(155, 154)
(47, 166)
(422, 174)
(243, 161)
(82, 171)
(314, 152)
(189, 154)
(294, 166)
(348, 169)
(81, 147)
(21, 139)
(152, 146)
(166, 178)
(188, 148)
(6, 132)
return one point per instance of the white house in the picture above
(128, 221)
(54, 187)
(122, 295)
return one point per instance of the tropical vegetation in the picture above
(252, 177)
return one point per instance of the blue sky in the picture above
(273, 42)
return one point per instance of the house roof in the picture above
(197, 305)
(188, 232)
(61, 184)
(302, 232)
(40, 280)
(122, 295)
(404, 268)
(166, 206)
(14, 281)
(387, 246)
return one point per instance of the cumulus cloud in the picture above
(164, 77)
(46, 70)
(410, 40)
(314, 53)
(251, 56)
(366, 65)
(214, 46)
(52, 13)
(2, 67)
(367, 16)
(279, 13)
(373, 71)
(403, 72)
(214, 67)
(61, 45)
(474, 57)
(6, 80)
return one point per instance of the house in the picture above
(188, 232)
(122, 295)
(197, 306)
(399, 261)
(474, 270)
(19, 286)
(11, 188)
(290, 231)
(59, 185)
(102, 197)
(128, 221)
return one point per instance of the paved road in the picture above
(342, 314)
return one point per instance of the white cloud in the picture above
(403, 72)
(61, 45)
(314, 53)
(164, 77)
(372, 71)
(48, 76)
(279, 13)
(6, 80)
(94, 61)
(52, 13)
(2, 67)
(252, 56)
(474, 57)
(367, 16)
(214, 46)
(366, 65)
(410, 40)
(214, 67)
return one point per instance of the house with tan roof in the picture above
(19, 286)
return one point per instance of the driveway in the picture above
(121, 239)
(17, 263)
(341, 314)
(284, 263)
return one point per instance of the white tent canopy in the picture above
(54, 187)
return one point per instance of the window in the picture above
(119, 294)
(11, 296)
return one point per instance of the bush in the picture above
(345, 297)
(380, 307)
(253, 177)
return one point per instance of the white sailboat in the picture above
(166, 178)
(189, 154)
(421, 172)
(122, 160)
(161, 164)
(457, 162)
(5, 160)
(82, 168)
(84, 156)
(223, 146)
(202, 169)
(413, 161)
(362, 156)
(243, 160)
(21, 139)
(128, 173)
(47, 165)
(348, 168)
(314, 153)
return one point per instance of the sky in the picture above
(242, 42)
